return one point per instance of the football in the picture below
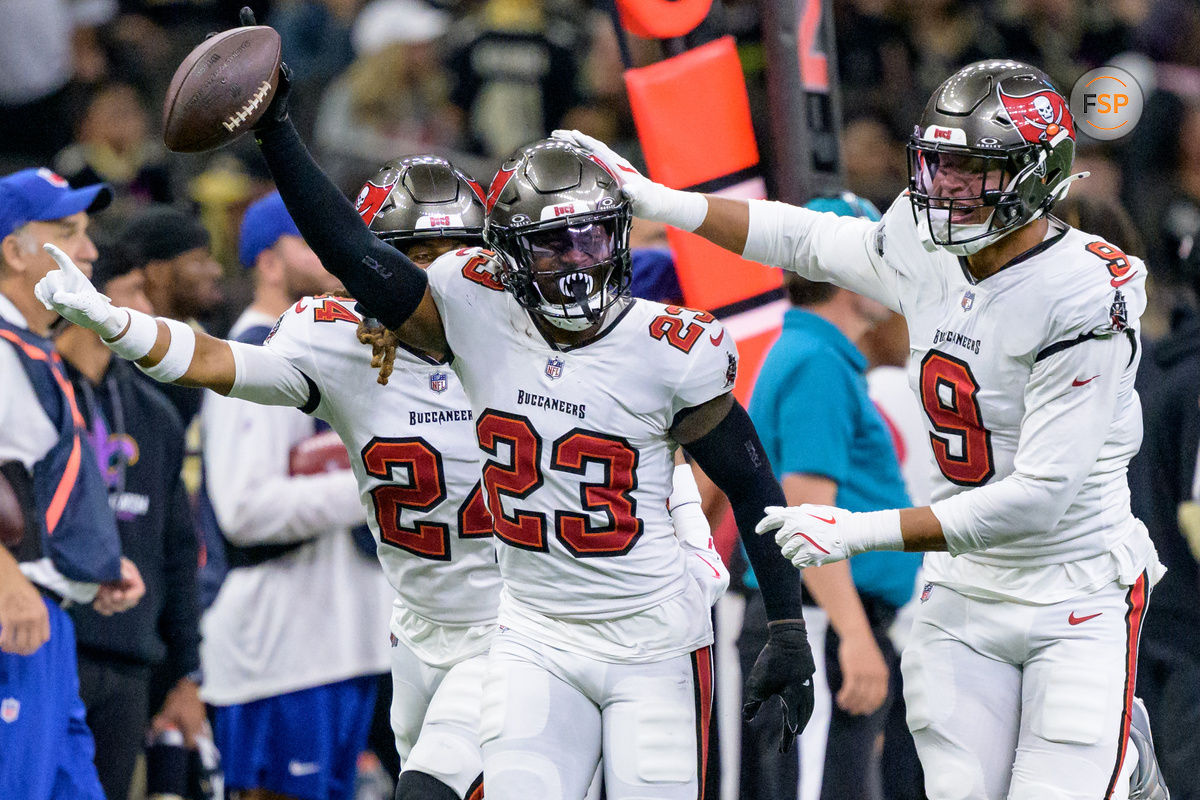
(221, 89)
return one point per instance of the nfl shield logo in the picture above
(10, 709)
(968, 300)
(437, 382)
(928, 590)
(554, 367)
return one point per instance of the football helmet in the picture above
(561, 226)
(993, 151)
(422, 197)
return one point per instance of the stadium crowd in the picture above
(81, 87)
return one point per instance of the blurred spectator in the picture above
(37, 63)
(70, 550)
(171, 249)
(393, 99)
(114, 145)
(844, 456)
(1164, 481)
(873, 160)
(138, 440)
(515, 68)
(290, 717)
(886, 349)
(316, 45)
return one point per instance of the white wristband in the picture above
(139, 338)
(683, 210)
(179, 353)
(875, 530)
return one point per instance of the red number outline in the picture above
(525, 529)
(1115, 259)
(572, 453)
(484, 278)
(474, 519)
(331, 310)
(381, 456)
(669, 326)
(962, 418)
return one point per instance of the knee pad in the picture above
(1076, 705)
(656, 738)
(415, 785)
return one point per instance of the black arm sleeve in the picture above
(733, 457)
(381, 278)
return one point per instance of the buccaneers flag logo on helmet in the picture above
(1040, 116)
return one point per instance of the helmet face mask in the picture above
(561, 226)
(992, 152)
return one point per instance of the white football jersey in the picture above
(412, 449)
(578, 461)
(1026, 383)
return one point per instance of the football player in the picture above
(417, 466)
(1020, 672)
(579, 397)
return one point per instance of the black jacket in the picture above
(1161, 477)
(138, 439)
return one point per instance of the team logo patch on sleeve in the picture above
(438, 382)
(554, 368)
(731, 370)
(10, 709)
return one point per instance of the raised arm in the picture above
(817, 246)
(168, 350)
(387, 285)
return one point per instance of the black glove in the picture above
(277, 111)
(784, 668)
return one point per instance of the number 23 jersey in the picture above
(577, 455)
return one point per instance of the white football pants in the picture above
(1024, 702)
(435, 718)
(549, 715)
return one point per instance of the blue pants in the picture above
(303, 744)
(46, 749)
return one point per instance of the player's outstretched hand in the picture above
(69, 292)
(783, 668)
(811, 535)
(650, 200)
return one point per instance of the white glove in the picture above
(812, 535)
(69, 292)
(683, 210)
(704, 563)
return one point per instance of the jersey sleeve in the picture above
(822, 246)
(456, 280)
(710, 369)
(281, 371)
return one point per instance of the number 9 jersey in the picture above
(578, 461)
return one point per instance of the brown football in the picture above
(221, 89)
(12, 516)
